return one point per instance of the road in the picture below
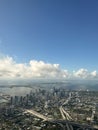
(64, 114)
(37, 114)
(67, 114)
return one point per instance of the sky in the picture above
(48, 38)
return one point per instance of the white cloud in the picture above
(34, 69)
(39, 69)
(94, 74)
(85, 74)
(81, 73)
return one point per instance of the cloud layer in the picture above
(9, 69)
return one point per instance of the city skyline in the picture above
(48, 39)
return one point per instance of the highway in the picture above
(64, 114)
(37, 114)
(67, 114)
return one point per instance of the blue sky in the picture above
(54, 31)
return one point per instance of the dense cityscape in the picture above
(49, 109)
